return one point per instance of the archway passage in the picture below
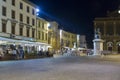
(109, 48)
(119, 49)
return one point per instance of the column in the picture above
(114, 28)
(104, 28)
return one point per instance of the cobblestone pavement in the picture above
(60, 68)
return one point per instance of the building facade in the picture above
(53, 35)
(67, 39)
(83, 43)
(110, 30)
(18, 23)
(42, 34)
(18, 19)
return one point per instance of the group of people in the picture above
(43, 53)
(13, 52)
(17, 53)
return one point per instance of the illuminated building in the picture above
(42, 33)
(67, 39)
(20, 25)
(53, 35)
(17, 20)
(83, 43)
(110, 30)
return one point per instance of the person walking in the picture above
(21, 53)
(14, 53)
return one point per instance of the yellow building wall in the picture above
(42, 30)
(70, 37)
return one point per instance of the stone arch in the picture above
(109, 46)
(118, 46)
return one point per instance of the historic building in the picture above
(67, 39)
(53, 35)
(42, 34)
(82, 40)
(18, 20)
(109, 27)
(20, 25)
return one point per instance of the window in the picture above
(39, 34)
(46, 36)
(28, 9)
(4, 27)
(21, 17)
(13, 14)
(42, 35)
(28, 32)
(110, 28)
(21, 30)
(13, 28)
(33, 11)
(13, 2)
(42, 25)
(38, 23)
(21, 5)
(4, 11)
(33, 33)
(33, 22)
(28, 20)
(62, 42)
(118, 28)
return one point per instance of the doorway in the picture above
(110, 48)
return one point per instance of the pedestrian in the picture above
(47, 53)
(1, 53)
(14, 52)
(21, 53)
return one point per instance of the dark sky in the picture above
(76, 15)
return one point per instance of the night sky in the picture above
(76, 15)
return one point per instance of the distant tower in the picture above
(97, 42)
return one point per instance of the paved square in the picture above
(63, 68)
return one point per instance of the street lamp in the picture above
(37, 11)
(118, 11)
(48, 25)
